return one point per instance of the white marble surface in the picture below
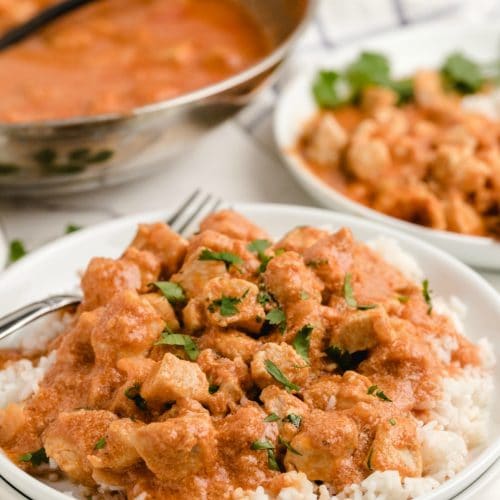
(237, 161)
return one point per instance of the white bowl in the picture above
(408, 50)
(55, 267)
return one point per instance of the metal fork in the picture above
(182, 220)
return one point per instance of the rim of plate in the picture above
(298, 166)
(33, 489)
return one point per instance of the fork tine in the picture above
(183, 208)
(195, 214)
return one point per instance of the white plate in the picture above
(408, 50)
(54, 269)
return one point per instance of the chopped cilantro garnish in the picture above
(392, 421)
(373, 390)
(133, 394)
(227, 257)
(316, 263)
(72, 228)
(426, 292)
(16, 250)
(36, 458)
(178, 339)
(330, 89)
(302, 341)
(277, 317)
(259, 246)
(349, 295)
(263, 298)
(288, 446)
(370, 68)
(271, 457)
(278, 375)
(272, 417)
(172, 291)
(100, 444)
(262, 445)
(366, 307)
(462, 73)
(227, 305)
(293, 419)
(403, 298)
(213, 388)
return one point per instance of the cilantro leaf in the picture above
(36, 458)
(462, 73)
(302, 341)
(330, 89)
(133, 394)
(373, 390)
(72, 228)
(426, 292)
(226, 305)
(293, 419)
(403, 298)
(100, 444)
(172, 291)
(277, 317)
(404, 89)
(227, 257)
(369, 69)
(348, 292)
(259, 246)
(178, 339)
(272, 417)
(272, 463)
(263, 298)
(278, 375)
(16, 250)
(392, 421)
(288, 446)
(262, 445)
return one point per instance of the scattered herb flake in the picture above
(366, 307)
(226, 305)
(426, 292)
(262, 445)
(348, 292)
(288, 446)
(462, 73)
(16, 251)
(304, 295)
(278, 375)
(72, 228)
(36, 458)
(316, 263)
(100, 444)
(213, 388)
(293, 419)
(373, 390)
(302, 341)
(392, 421)
(272, 417)
(172, 291)
(259, 246)
(133, 393)
(229, 259)
(403, 298)
(272, 463)
(178, 339)
(277, 317)
(263, 298)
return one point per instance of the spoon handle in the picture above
(29, 313)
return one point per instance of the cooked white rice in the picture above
(459, 421)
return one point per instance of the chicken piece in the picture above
(374, 99)
(413, 203)
(173, 378)
(428, 88)
(362, 330)
(455, 168)
(324, 141)
(460, 138)
(287, 360)
(287, 407)
(229, 343)
(165, 244)
(103, 383)
(228, 379)
(148, 264)
(118, 451)
(163, 307)
(12, 420)
(300, 239)
(236, 433)
(462, 217)
(393, 124)
(353, 389)
(128, 326)
(104, 278)
(396, 447)
(331, 258)
(72, 437)
(136, 370)
(194, 315)
(178, 448)
(287, 278)
(325, 442)
(322, 392)
(195, 273)
(232, 302)
(368, 160)
(234, 225)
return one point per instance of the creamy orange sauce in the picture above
(115, 55)
(428, 162)
(175, 424)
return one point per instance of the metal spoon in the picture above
(41, 19)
